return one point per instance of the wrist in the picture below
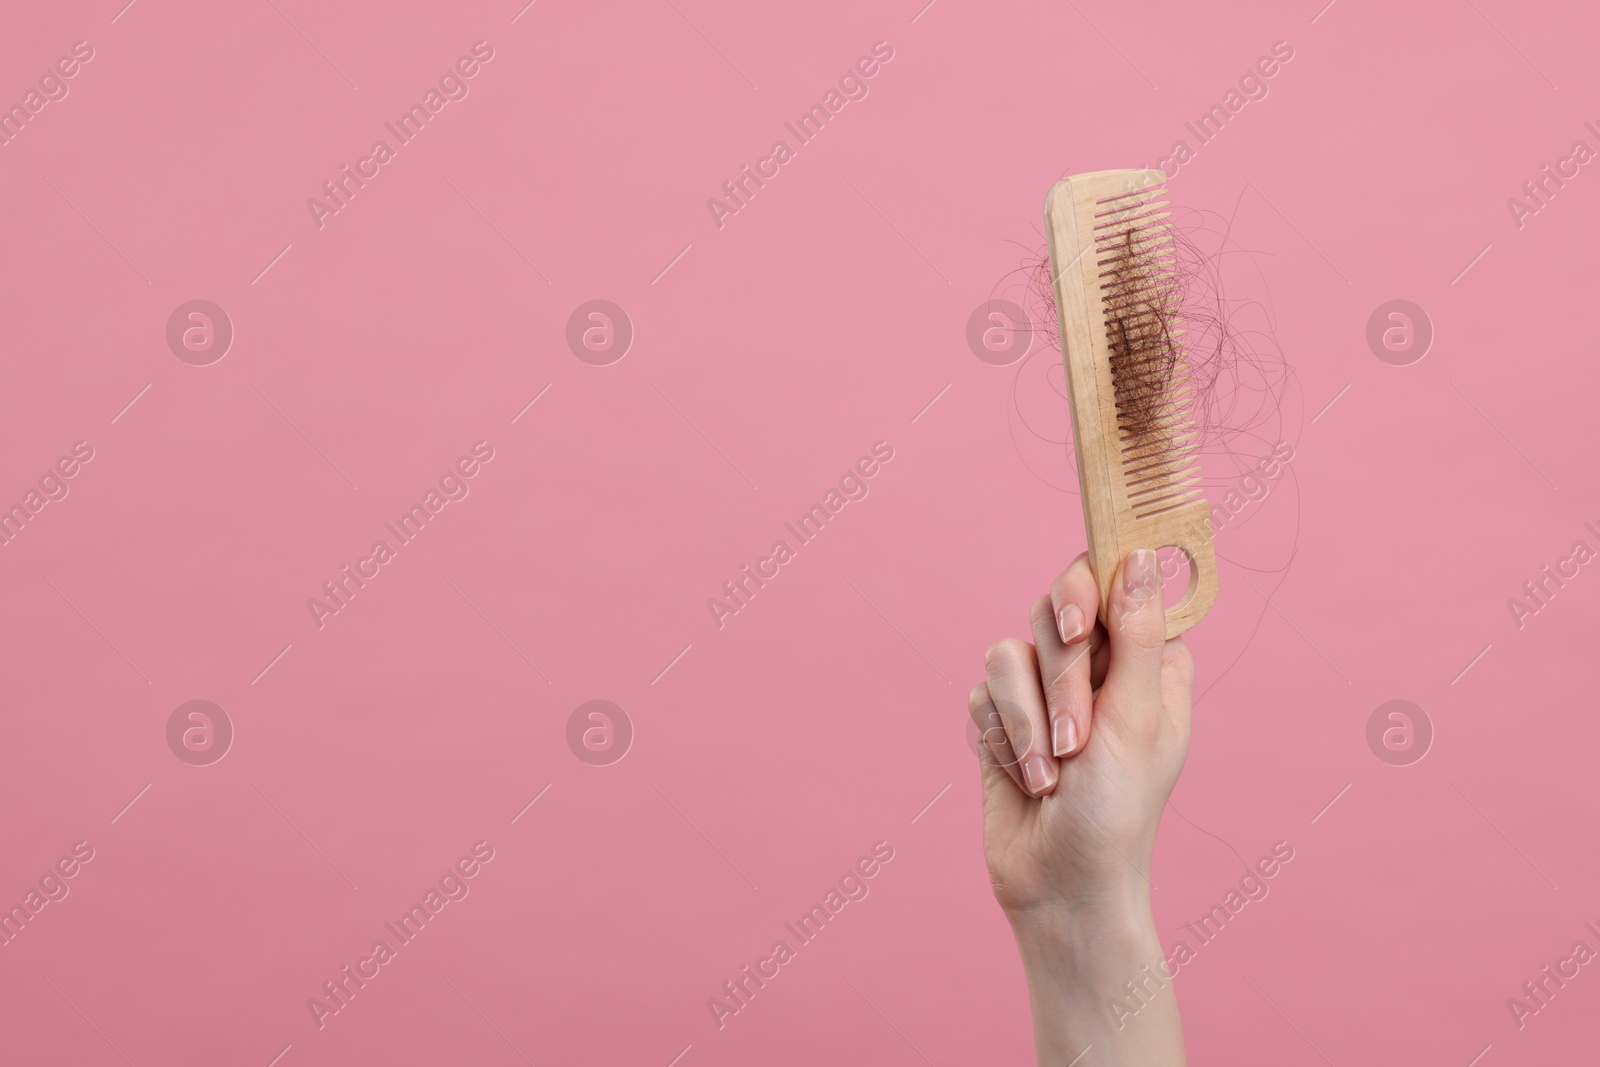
(1097, 977)
(1107, 939)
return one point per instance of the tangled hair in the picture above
(1143, 333)
(1220, 349)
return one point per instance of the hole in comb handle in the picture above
(1178, 575)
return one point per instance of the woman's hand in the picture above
(1084, 733)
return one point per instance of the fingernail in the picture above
(1037, 774)
(1141, 577)
(1065, 736)
(1069, 622)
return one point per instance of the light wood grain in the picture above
(1135, 494)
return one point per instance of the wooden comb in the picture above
(1117, 292)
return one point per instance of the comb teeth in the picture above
(1120, 274)
(1138, 282)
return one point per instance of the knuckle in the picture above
(1043, 622)
(1177, 664)
(1058, 685)
(1076, 584)
(1006, 654)
(1055, 700)
(1144, 626)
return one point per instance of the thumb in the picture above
(1137, 625)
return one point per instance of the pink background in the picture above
(768, 755)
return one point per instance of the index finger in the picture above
(1075, 601)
